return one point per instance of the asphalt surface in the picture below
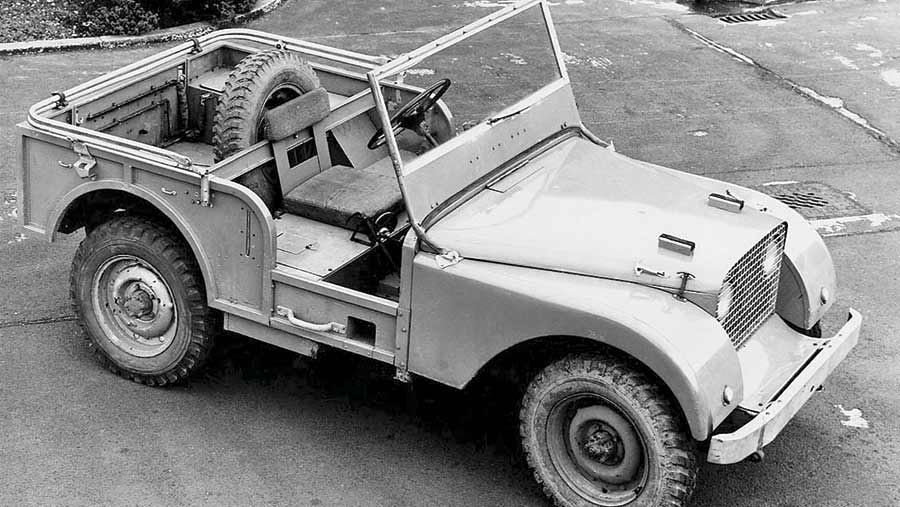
(261, 428)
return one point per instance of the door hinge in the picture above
(84, 166)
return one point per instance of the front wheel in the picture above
(139, 295)
(598, 431)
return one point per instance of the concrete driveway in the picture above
(259, 428)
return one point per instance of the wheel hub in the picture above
(134, 305)
(604, 446)
(597, 450)
(598, 447)
(137, 304)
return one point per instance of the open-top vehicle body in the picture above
(445, 212)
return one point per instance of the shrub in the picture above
(176, 12)
(115, 17)
(129, 17)
(24, 20)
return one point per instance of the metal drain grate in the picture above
(815, 200)
(749, 17)
(798, 200)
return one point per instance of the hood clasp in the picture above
(685, 276)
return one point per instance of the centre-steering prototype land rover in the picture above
(445, 212)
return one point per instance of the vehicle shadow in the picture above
(484, 417)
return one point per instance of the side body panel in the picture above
(468, 313)
(233, 240)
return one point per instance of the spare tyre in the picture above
(261, 81)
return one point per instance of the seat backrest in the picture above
(297, 114)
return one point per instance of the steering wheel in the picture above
(411, 115)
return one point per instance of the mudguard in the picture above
(466, 314)
(235, 268)
(808, 280)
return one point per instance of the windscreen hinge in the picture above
(204, 196)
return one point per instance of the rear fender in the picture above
(65, 204)
(233, 241)
(465, 315)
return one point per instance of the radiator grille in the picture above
(752, 286)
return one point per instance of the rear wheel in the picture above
(598, 431)
(140, 298)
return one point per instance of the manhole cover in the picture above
(815, 200)
(750, 17)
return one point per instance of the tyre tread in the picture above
(244, 88)
(679, 463)
(205, 322)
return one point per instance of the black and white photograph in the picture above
(403, 253)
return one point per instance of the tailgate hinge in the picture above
(84, 166)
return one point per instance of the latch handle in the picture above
(84, 166)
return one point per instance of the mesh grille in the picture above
(752, 290)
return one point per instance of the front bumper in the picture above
(767, 424)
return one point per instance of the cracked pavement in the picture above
(259, 428)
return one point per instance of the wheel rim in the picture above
(278, 96)
(134, 306)
(597, 449)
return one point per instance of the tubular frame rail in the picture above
(135, 72)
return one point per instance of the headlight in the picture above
(726, 295)
(771, 260)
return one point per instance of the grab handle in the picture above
(333, 327)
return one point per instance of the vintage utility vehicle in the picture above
(313, 197)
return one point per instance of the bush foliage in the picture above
(24, 20)
(131, 17)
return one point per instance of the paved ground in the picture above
(257, 429)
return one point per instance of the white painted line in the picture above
(837, 104)
(719, 47)
(891, 77)
(838, 226)
(855, 418)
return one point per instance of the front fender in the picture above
(807, 270)
(468, 313)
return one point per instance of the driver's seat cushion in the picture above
(335, 195)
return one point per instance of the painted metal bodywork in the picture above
(466, 314)
(774, 414)
(616, 210)
(523, 227)
(233, 261)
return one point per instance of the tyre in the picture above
(259, 82)
(140, 297)
(598, 431)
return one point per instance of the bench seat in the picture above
(335, 195)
